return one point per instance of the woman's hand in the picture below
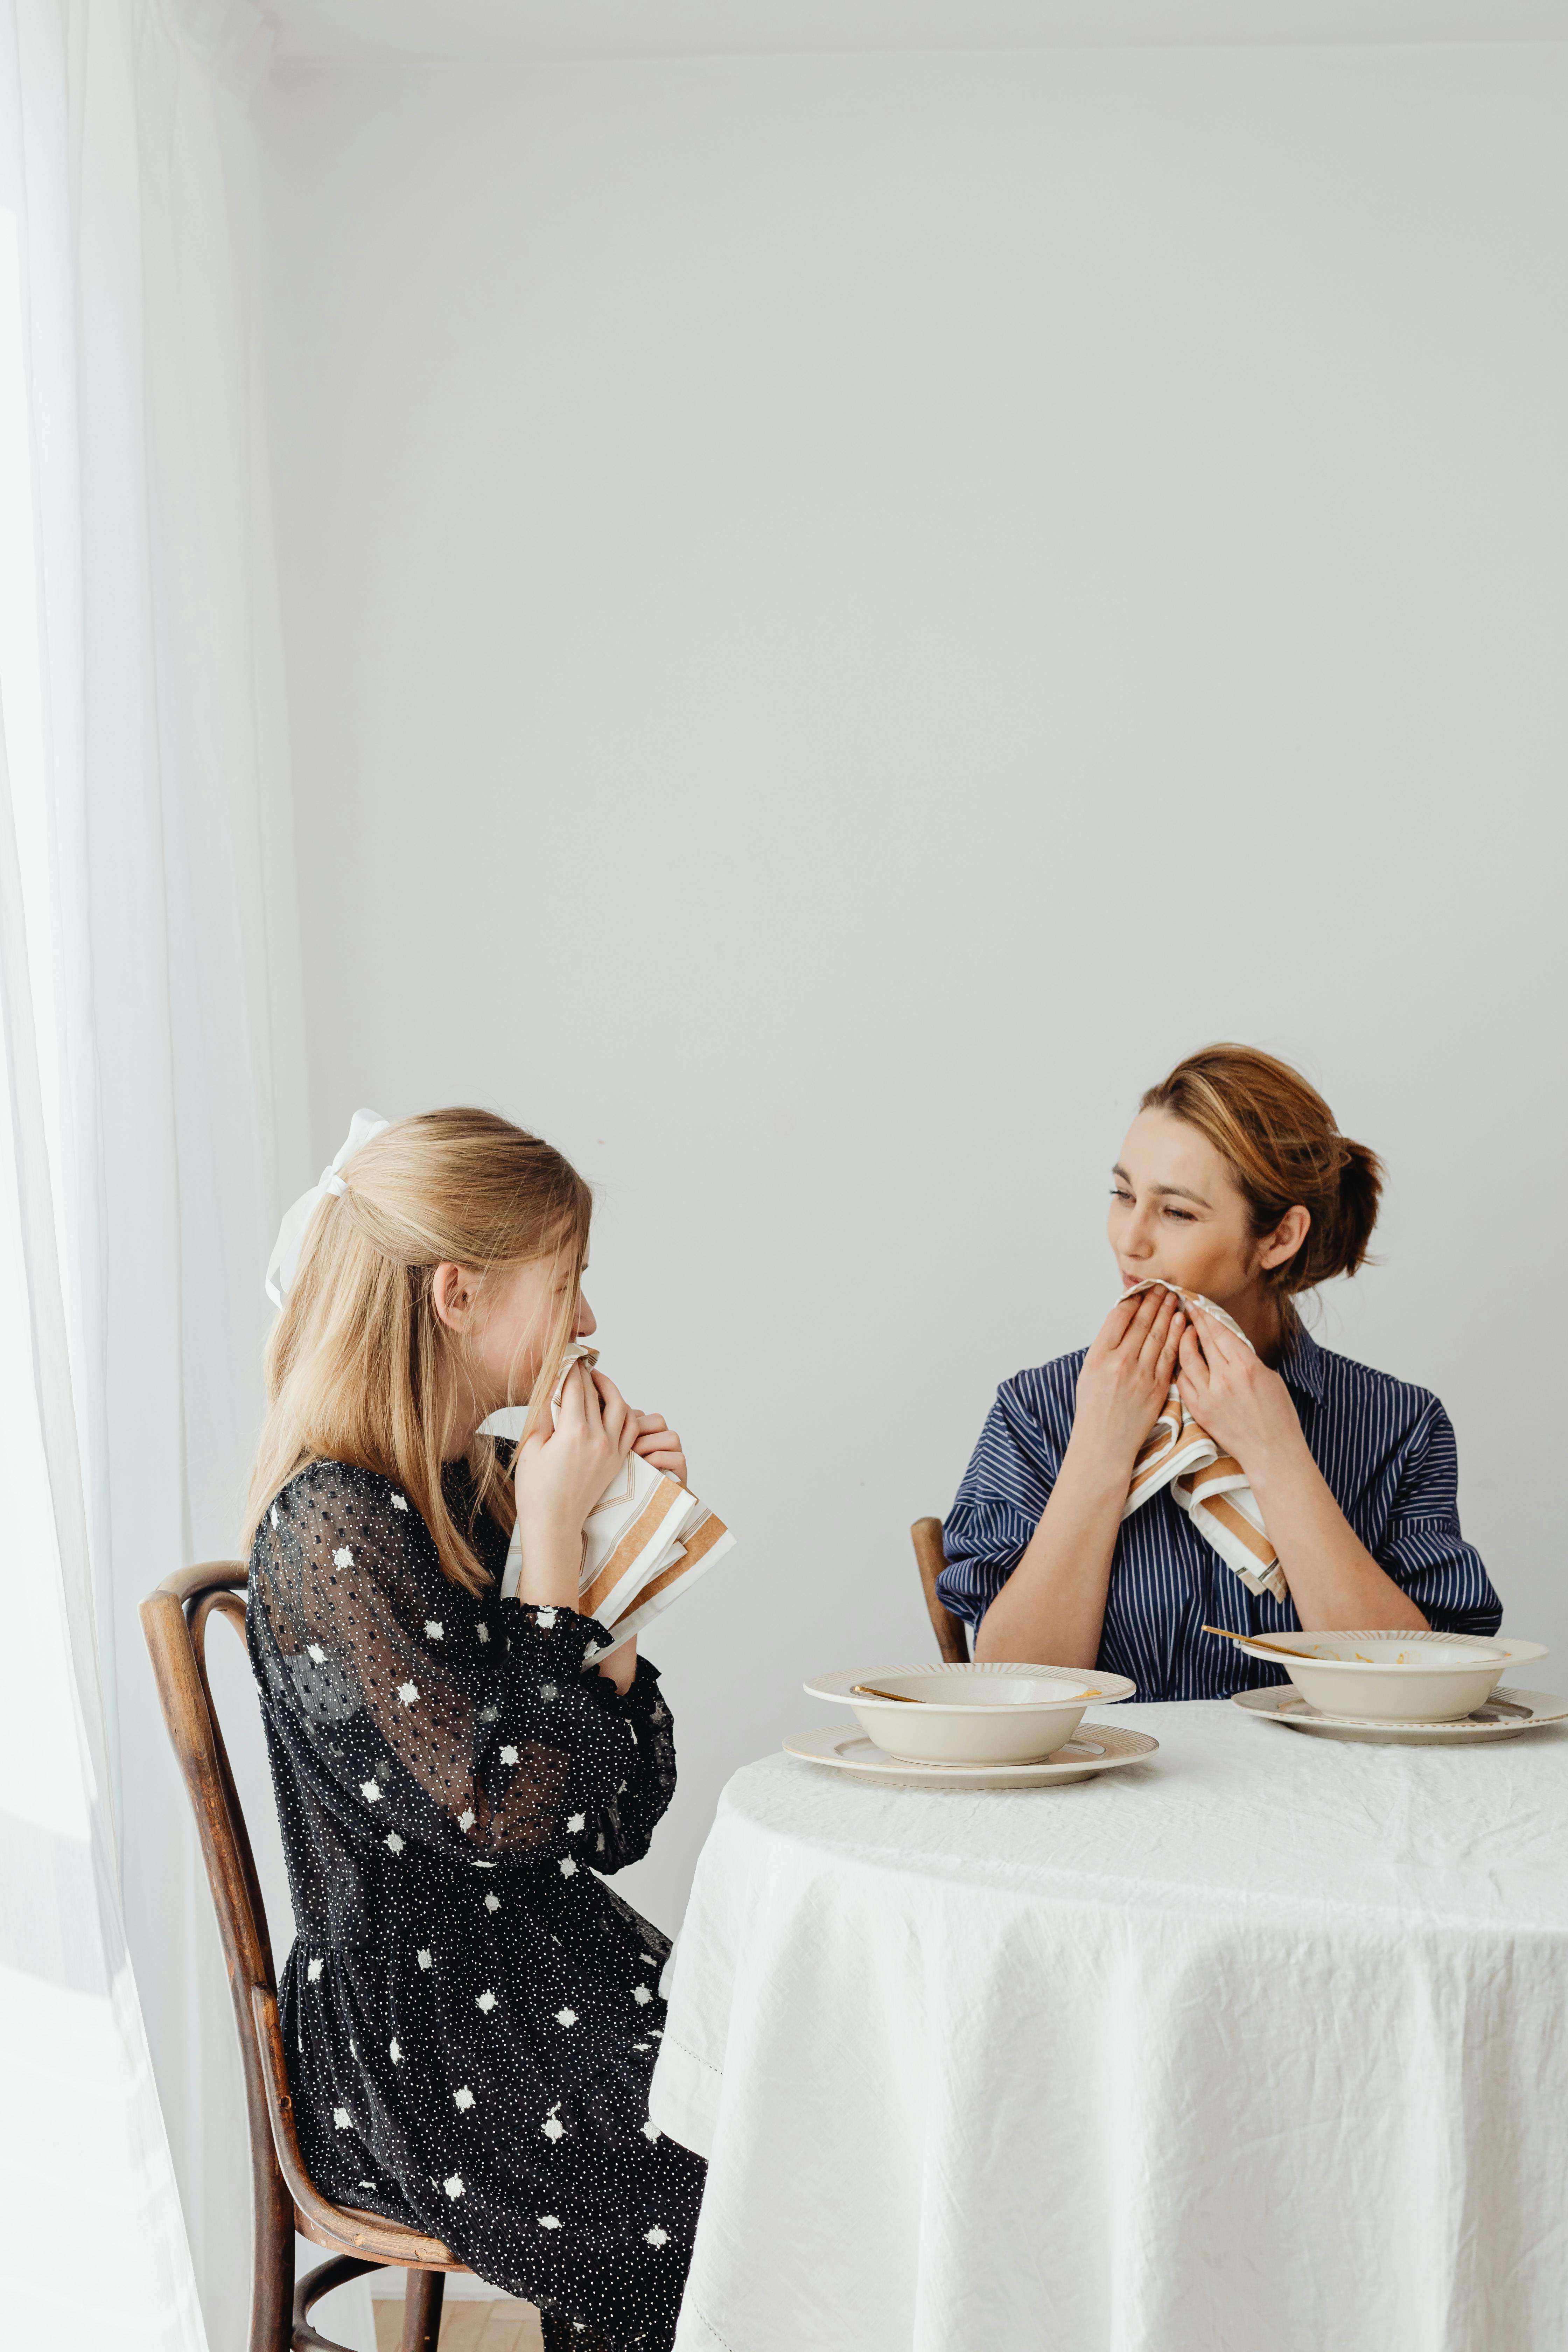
(1248, 1409)
(660, 1445)
(1052, 1607)
(1125, 1379)
(1231, 1391)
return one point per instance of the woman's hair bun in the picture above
(1349, 1233)
(1285, 1151)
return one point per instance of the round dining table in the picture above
(1260, 2045)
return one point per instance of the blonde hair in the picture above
(359, 1366)
(1284, 1151)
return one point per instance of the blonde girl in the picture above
(471, 2015)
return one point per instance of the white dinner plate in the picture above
(1505, 1715)
(1094, 1747)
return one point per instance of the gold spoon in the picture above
(904, 1698)
(1276, 1649)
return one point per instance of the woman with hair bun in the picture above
(1234, 1191)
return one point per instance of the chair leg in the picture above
(422, 2310)
(273, 2257)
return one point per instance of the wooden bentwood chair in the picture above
(174, 1620)
(952, 1635)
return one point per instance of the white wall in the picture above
(843, 612)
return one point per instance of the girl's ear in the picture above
(1286, 1238)
(452, 1295)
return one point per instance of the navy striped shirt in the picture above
(1385, 1450)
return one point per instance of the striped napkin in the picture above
(645, 1542)
(1209, 1485)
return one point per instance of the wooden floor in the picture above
(498, 2326)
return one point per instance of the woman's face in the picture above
(1176, 1212)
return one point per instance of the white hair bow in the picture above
(291, 1233)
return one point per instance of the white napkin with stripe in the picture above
(1210, 1486)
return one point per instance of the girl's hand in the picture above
(1125, 1379)
(1231, 1392)
(658, 1443)
(620, 1667)
(559, 1477)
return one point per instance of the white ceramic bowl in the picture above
(1398, 1677)
(988, 1714)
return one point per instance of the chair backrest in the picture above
(952, 1633)
(174, 1620)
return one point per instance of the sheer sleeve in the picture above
(467, 1727)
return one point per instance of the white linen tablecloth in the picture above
(1257, 2047)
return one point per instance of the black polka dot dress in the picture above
(470, 2014)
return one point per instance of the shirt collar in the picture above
(1301, 1366)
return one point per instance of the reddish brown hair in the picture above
(1280, 1139)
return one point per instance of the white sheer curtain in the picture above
(154, 1077)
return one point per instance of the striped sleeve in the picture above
(1422, 1548)
(998, 1507)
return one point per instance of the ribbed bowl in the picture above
(986, 1714)
(1391, 1677)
